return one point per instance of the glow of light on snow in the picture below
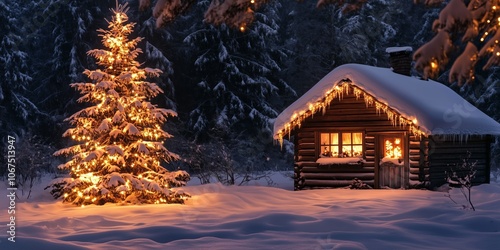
(260, 217)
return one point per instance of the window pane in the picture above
(334, 150)
(393, 148)
(357, 151)
(346, 150)
(357, 138)
(335, 138)
(324, 139)
(346, 139)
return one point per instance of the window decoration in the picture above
(330, 144)
(393, 148)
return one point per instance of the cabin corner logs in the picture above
(424, 161)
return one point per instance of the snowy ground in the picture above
(259, 217)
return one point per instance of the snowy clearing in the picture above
(259, 217)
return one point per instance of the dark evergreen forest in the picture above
(227, 86)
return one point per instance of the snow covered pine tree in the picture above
(119, 138)
(471, 26)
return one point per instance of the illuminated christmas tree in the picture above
(120, 140)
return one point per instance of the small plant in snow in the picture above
(359, 184)
(461, 177)
(35, 160)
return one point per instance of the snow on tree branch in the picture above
(432, 56)
(477, 25)
(238, 13)
(455, 16)
(476, 22)
(119, 138)
(463, 68)
(491, 49)
(234, 13)
(167, 10)
(345, 5)
(429, 2)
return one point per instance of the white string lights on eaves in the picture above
(338, 91)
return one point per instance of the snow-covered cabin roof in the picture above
(437, 108)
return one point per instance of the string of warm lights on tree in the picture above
(119, 138)
(470, 29)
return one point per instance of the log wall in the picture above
(428, 158)
(419, 163)
(349, 114)
(445, 154)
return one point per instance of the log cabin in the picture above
(386, 129)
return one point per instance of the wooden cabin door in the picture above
(392, 160)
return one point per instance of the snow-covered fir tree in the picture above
(119, 137)
(15, 106)
(60, 33)
(467, 27)
(485, 95)
(325, 38)
(237, 72)
(310, 35)
(155, 51)
(233, 13)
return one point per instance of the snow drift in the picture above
(258, 217)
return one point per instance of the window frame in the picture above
(339, 143)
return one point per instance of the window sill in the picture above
(333, 161)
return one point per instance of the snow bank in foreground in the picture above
(257, 217)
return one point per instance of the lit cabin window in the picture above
(393, 148)
(330, 144)
(345, 144)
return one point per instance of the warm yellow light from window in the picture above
(252, 1)
(415, 121)
(242, 28)
(393, 151)
(498, 53)
(434, 65)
